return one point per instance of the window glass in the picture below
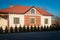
(46, 21)
(32, 20)
(32, 11)
(16, 20)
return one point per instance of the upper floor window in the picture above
(32, 11)
(32, 20)
(46, 21)
(16, 20)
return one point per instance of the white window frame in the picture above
(45, 20)
(14, 22)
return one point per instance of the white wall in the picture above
(3, 23)
(42, 20)
(11, 21)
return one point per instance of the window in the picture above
(32, 11)
(46, 21)
(16, 20)
(32, 20)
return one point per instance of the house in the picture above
(24, 15)
(56, 20)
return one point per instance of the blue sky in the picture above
(52, 6)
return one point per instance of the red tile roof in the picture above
(43, 12)
(23, 9)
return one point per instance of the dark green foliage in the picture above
(41, 28)
(6, 29)
(38, 28)
(20, 28)
(11, 29)
(34, 28)
(28, 29)
(57, 27)
(1, 30)
(31, 28)
(53, 28)
(24, 29)
(45, 29)
(16, 29)
(50, 28)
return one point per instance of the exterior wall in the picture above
(37, 16)
(25, 19)
(37, 20)
(44, 17)
(3, 23)
(11, 21)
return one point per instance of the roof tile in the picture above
(23, 9)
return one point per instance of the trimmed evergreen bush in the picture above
(6, 29)
(31, 28)
(28, 29)
(50, 28)
(11, 29)
(24, 29)
(1, 30)
(41, 28)
(34, 28)
(38, 28)
(20, 28)
(16, 29)
(53, 28)
(45, 28)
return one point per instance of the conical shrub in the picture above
(41, 28)
(16, 29)
(24, 29)
(11, 29)
(20, 28)
(28, 29)
(45, 28)
(34, 28)
(6, 29)
(38, 28)
(1, 30)
(31, 28)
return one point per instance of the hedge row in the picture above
(30, 29)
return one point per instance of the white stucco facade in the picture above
(11, 21)
(43, 19)
(3, 23)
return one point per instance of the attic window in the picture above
(32, 11)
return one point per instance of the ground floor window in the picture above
(32, 20)
(46, 21)
(16, 20)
